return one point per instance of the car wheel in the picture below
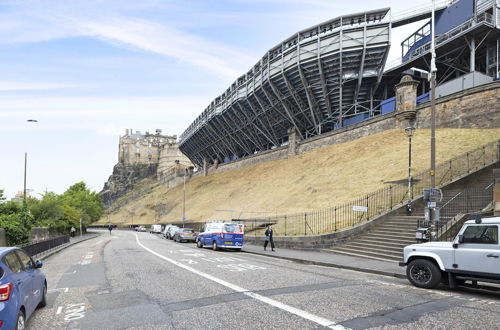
(199, 244)
(21, 321)
(423, 274)
(214, 246)
(43, 302)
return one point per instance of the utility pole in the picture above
(25, 166)
(184, 201)
(81, 232)
(433, 121)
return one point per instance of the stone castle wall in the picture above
(142, 149)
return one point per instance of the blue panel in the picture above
(355, 119)
(416, 45)
(423, 98)
(388, 105)
(454, 15)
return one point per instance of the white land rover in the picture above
(474, 255)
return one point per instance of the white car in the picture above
(140, 228)
(474, 255)
(155, 229)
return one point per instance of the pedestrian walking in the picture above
(269, 238)
(72, 231)
(110, 228)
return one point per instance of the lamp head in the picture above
(409, 130)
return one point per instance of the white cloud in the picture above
(50, 20)
(103, 115)
(11, 86)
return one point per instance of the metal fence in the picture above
(39, 247)
(374, 204)
(458, 209)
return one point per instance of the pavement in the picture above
(330, 259)
(72, 241)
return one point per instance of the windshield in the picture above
(233, 228)
(189, 231)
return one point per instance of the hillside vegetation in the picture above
(314, 180)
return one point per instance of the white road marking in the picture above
(74, 312)
(306, 315)
(58, 289)
(59, 310)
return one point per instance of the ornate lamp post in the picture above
(409, 132)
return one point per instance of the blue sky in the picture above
(89, 69)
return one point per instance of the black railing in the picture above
(39, 247)
(379, 202)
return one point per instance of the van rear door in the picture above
(233, 234)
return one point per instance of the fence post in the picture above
(484, 156)
(390, 193)
(451, 172)
(285, 224)
(367, 208)
(305, 223)
(468, 163)
(335, 219)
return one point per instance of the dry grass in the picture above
(314, 180)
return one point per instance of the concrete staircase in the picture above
(385, 241)
(387, 238)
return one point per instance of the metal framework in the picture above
(335, 74)
(321, 78)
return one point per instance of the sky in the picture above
(86, 70)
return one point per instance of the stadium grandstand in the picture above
(336, 74)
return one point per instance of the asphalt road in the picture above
(141, 281)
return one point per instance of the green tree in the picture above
(89, 203)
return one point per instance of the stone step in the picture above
(377, 244)
(397, 243)
(388, 234)
(373, 248)
(381, 256)
(396, 228)
(389, 238)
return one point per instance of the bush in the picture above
(16, 233)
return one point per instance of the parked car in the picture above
(185, 235)
(171, 232)
(140, 228)
(165, 230)
(155, 229)
(221, 235)
(473, 256)
(23, 287)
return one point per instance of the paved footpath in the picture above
(331, 259)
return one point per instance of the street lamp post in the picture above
(409, 132)
(433, 119)
(184, 201)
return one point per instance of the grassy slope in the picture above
(317, 179)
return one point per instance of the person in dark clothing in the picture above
(269, 238)
(110, 228)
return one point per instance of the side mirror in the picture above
(461, 239)
(38, 264)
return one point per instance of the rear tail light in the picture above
(5, 291)
(1, 323)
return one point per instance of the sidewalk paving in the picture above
(331, 259)
(72, 241)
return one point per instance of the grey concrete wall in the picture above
(39, 234)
